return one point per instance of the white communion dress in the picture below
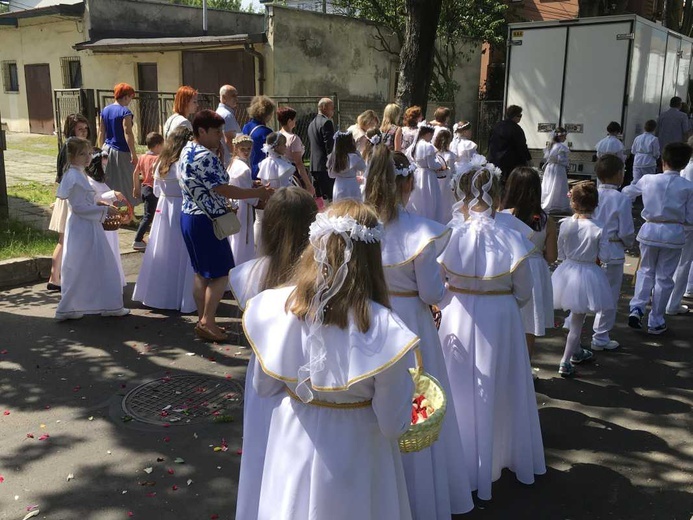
(554, 184)
(437, 479)
(447, 197)
(103, 192)
(274, 171)
(243, 242)
(91, 282)
(464, 149)
(425, 200)
(165, 280)
(579, 284)
(246, 281)
(346, 185)
(337, 456)
(485, 351)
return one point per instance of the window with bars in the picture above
(72, 72)
(10, 78)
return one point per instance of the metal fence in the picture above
(74, 101)
(490, 113)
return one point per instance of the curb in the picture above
(22, 271)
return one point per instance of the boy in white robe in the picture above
(611, 144)
(645, 149)
(668, 206)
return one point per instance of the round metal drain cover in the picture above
(183, 399)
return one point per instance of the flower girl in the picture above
(331, 349)
(483, 337)
(346, 166)
(243, 242)
(288, 215)
(554, 185)
(436, 477)
(425, 200)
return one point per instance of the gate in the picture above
(74, 101)
(490, 113)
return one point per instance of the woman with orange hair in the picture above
(184, 105)
(118, 140)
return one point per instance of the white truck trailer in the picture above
(583, 73)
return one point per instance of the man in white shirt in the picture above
(228, 97)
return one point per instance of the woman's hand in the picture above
(133, 159)
(310, 189)
(136, 192)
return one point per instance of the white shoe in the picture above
(118, 313)
(688, 295)
(62, 316)
(611, 345)
(683, 309)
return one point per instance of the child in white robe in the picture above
(425, 200)
(523, 200)
(330, 348)
(579, 284)
(448, 158)
(668, 207)
(97, 176)
(683, 276)
(166, 277)
(554, 185)
(347, 167)
(611, 144)
(615, 214)
(437, 479)
(488, 278)
(645, 150)
(288, 215)
(273, 171)
(243, 242)
(462, 145)
(90, 279)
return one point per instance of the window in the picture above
(10, 79)
(72, 72)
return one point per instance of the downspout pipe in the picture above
(248, 47)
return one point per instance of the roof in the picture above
(64, 10)
(108, 45)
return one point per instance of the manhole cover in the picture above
(184, 399)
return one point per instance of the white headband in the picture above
(375, 140)
(326, 225)
(340, 134)
(458, 128)
(478, 164)
(406, 171)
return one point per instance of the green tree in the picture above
(462, 25)
(4, 7)
(227, 5)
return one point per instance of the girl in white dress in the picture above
(448, 158)
(273, 171)
(96, 174)
(165, 280)
(425, 200)
(437, 479)
(483, 338)
(288, 215)
(579, 284)
(554, 185)
(462, 145)
(90, 280)
(243, 242)
(347, 167)
(523, 200)
(331, 349)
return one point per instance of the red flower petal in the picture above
(2, 479)
(239, 452)
(29, 435)
(44, 437)
(167, 439)
(170, 471)
(152, 494)
(130, 513)
(214, 517)
(174, 487)
(3, 351)
(6, 412)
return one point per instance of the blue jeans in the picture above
(150, 202)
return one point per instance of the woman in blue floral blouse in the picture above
(206, 194)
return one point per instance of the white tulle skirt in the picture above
(324, 463)
(346, 188)
(166, 276)
(554, 190)
(537, 314)
(485, 352)
(437, 480)
(581, 287)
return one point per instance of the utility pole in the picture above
(204, 17)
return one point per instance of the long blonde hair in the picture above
(390, 117)
(365, 281)
(173, 146)
(381, 188)
(285, 225)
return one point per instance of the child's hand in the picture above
(112, 210)
(119, 196)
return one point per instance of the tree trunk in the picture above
(416, 56)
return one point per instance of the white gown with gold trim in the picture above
(325, 462)
(484, 346)
(437, 479)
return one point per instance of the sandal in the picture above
(566, 370)
(207, 335)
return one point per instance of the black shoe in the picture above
(635, 319)
(52, 287)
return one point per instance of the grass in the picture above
(34, 192)
(18, 240)
(33, 143)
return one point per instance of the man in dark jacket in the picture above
(507, 147)
(321, 138)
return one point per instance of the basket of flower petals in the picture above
(428, 410)
(124, 216)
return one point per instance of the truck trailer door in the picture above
(671, 66)
(684, 70)
(536, 89)
(595, 81)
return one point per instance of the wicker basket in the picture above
(113, 222)
(422, 435)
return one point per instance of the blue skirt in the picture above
(209, 256)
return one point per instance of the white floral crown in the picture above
(477, 164)
(267, 147)
(458, 127)
(425, 125)
(339, 133)
(406, 171)
(242, 138)
(375, 140)
(327, 225)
